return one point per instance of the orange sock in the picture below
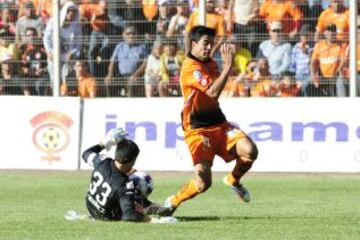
(188, 191)
(231, 179)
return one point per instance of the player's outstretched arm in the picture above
(227, 55)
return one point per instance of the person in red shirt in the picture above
(206, 130)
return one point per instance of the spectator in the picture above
(358, 56)
(242, 58)
(10, 84)
(131, 58)
(244, 23)
(170, 64)
(28, 20)
(288, 86)
(7, 47)
(34, 64)
(300, 58)
(99, 48)
(152, 72)
(163, 20)
(213, 20)
(338, 15)
(7, 21)
(325, 64)
(284, 11)
(262, 84)
(277, 51)
(81, 84)
(178, 23)
(70, 38)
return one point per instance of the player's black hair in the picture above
(198, 31)
(126, 151)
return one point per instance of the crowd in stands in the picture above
(135, 48)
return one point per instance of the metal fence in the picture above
(133, 48)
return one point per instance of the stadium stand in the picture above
(289, 37)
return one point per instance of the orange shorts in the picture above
(205, 143)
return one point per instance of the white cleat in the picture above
(72, 215)
(239, 189)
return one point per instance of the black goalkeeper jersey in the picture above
(111, 195)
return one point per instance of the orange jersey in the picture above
(285, 12)
(213, 20)
(358, 56)
(86, 87)
(199, 109)
(329, 57)
(342, 22)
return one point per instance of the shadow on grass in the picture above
(234, 218)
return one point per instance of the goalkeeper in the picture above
(111, 195)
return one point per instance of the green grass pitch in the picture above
(283, 206)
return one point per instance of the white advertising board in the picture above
(292, 134)
(39, 133)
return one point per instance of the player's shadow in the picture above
(198, 218)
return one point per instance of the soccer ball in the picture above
(143, 183)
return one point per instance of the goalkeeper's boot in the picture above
(238, 188)
(171, 208)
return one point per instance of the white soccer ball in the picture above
(143, 183)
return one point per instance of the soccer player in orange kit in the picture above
(206, 130)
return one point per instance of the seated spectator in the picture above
(213, 20)
(242, 57)
(152, 75)
(300, 58)
(325, 64)
(170, 64)
(70, 37)
(261, 82)
(131, 59)
(277, 51)
(10, 83)
(80, 83)
(178, 23)
(338, 15)
(34, 63)
(358, 57)
(284, 11)
(7, 47)
(287, 86)
(28, 20)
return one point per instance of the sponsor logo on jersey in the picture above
(51, 134)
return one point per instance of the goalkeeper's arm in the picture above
(91, 155)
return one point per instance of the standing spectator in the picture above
(81, 84)
(178, 23)
(300, 58)
(34, 64)
(10, 83)
(152, 75)
(99, 39)
(244, 22)
(70, 38)
(213, 20)
(325, 64)
(7, 20)
(163, 20)
(131, 58)
(28, 20)
(338, 15)
(277, 51)
(284, 11)
(170, 65)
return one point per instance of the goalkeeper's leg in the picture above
(200, 184)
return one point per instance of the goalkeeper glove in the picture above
(113, 137)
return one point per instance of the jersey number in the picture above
(101, 197)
